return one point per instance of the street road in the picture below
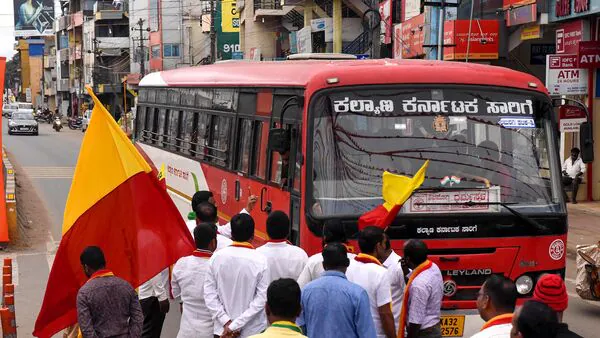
(48, 161)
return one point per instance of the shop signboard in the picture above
(483, 43)
(568, 36)
(506, 4)
(228, 35)
(304, 40)
(385, 13)
(571, 117)
(398, 45)
(413, 37)
(33, 18)
(411, 8)
(531, 32)
(563, 77)
(570, 9)
(521, 15)
(539, 51)
(589, 54)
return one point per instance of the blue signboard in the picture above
(362, 56)
(570, 9)
(237, 55)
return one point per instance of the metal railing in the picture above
(179, 145)
(109, 6)
(267, 4)
(361, 44)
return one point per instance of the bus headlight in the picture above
(524, 284)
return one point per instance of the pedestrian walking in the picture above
(107, 306)
(285, 260)
(154, 299)
(189, 274)
(422, 303)
(368, 272)
(552, 291)
(282, 309)
(333, 232)
(207, 213)
(332, 306)
(496, 303)
(534, 320)
(236, 285)
(391, 261)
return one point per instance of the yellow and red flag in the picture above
(116, 203)
(396, 189)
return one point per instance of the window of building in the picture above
(156, 52)
(170, 50)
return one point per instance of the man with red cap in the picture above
(551, 290)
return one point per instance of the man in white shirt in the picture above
(391, 261)
(236, 285)
(496, 303)
(368, 272)
(207, 213)
(285, 260)
(189, 274)
(333, 232)
(154, 299)
(573, 170)
(207, 196)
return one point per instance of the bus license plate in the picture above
(452, 326)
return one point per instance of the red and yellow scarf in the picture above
(101, 273)
(498, 320)
(404, 312)
(242, 245)
(202, 253)
(364, 258)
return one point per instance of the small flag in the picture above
(396, 189)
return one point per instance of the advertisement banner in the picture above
(506, 4)
(33, 17)
(304, 40)
(521, 15)
(411, 8)
(483, 43)
(570, 9)
(531, 32)
(563, 77)
(385, 12)
(568, 36)
(538, 53)
(230, 22)
(227, 42)
(589, 54)
(413, 37)
(398, 41)
(571, 117)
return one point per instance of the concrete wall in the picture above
(35, 76)
(172, 32)
(258, 34)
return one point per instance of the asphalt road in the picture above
(49, 160)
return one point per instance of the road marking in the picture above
(49, 172)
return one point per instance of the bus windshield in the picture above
(484, 147)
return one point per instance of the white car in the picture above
(9, 108)
(87, 117)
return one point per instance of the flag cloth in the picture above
(396, 189)
(116, 203)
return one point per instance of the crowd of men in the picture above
(229, 289)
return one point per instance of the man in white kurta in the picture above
(368, 272)
(391, 261)
(207, 213)
(333, 232)
(285, 260)
(189, 274)
(236, 284)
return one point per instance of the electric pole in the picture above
(213, 35)
(97, 53)
(140, 29)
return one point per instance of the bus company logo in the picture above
(469, 272)
(224, 191)
(449, 288)
(557, 249)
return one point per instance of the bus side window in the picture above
(140, 123)
(153, 126)
(280, 165)
(244, 144)
(188, 132)
(177, 120)
(165, 123)
(202, 131)
(297, 175)
(219, 139)
(259, 150)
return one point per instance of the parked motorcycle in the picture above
(57, 124)
(75, 122)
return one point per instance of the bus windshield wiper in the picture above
(542, 229)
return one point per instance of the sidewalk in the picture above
(584, 225)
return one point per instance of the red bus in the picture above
(492, 200)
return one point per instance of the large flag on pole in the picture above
(396, 189)
(116, 203)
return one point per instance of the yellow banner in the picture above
(230, 17)
(531, 32)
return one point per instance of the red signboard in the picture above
(568, 36)
(563, 7)
(571, 112)
(413, 36)
(506, 4)
(483, 44)
(589, 54)
(385, 13)
(521, 15)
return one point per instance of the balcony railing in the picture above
(108, 11)
(267, 4)
(63, 54)
(49, 61)
(75, 53)
(62, 85)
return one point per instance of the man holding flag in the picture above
(117, 204)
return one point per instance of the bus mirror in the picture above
(279, 140)
(586, 142)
